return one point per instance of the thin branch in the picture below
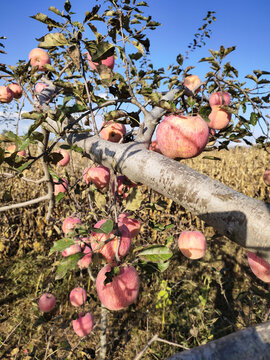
(25, 203)
(8, 175)
(9, 335)
(141, 353)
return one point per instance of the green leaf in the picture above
(134, 199)
(99, 51)
(204, 112)
(67, 6)
(24, 166)
(59, 197)
(100, 200)
(54, 10)
(105, 228)
(252, 77)
(52, 40)
(61, 245)
(253, 118)
(156, 254)
(68, 264)
(46, 20)
(2, 155)
(212, 158)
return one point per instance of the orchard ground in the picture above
(207, 298)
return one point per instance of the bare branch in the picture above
(25, 203)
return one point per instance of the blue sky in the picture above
(244, 24)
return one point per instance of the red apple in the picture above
(73, 249)
(66, 157)
(192, 82)
(109, 61)
(39, 87)
(192, 244)
(219, 98)
(83, 325)
(133, 225)
(16, 89)
(259, 267)
(69, 223)
(6, 95)
(124, 186)
(154, 147)
(46, 302)
(39, 57)
(12, 148)
(77, 296)
(60, 186)
(219, 118)
(112, 131)
(180, 136)
(98, 175)
(122, 291)
(109, 249)
(86, 260)
(266, 177)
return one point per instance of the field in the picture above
(205, 299)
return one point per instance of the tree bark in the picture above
(242, 219)
(252, 343)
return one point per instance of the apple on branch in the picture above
(6, 94)
(39, 57)
(180, 136)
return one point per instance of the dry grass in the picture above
(207, 299)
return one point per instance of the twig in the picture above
(25, 203)
(12, 331)
(154, 338)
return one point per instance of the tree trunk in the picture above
(252, 343)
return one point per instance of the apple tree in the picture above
(103, 98)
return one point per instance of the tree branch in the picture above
(252, 343)
(25, 203)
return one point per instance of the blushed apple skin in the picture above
(259, 267)
(122, 291)
(71, 250)
(39, 87)
(60, 187)
(109, 249)
(154, 147)
(219, 118)
(66, 157)
(112, 131)
(86, 260)
(46, 302)
(12, 148)
(98, 175)
(83, 325)
(6, 95)
(16, 89)
(266, 177)
(182, 136)
(219, 98)
(192, 244)
(109, 61)
(69, 223)
(192, 82)
(77, 296)
(39, 57)
(133, 225)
